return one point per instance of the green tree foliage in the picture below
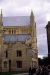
(44, 61)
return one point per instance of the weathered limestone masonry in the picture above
(18, 43)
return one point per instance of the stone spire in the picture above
(31, 17)
(31, 13)
(1, 22)
(1, 13)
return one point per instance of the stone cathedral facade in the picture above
(18, 43)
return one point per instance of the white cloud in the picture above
(40, 56)
(12, 6)
(48, 17)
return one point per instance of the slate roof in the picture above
(13, 38)
(16, 21)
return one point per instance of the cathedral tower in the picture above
(33, 28)
(34, 37)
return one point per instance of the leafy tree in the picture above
(39, 61)
(45, 61)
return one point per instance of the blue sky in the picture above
(42, 16)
